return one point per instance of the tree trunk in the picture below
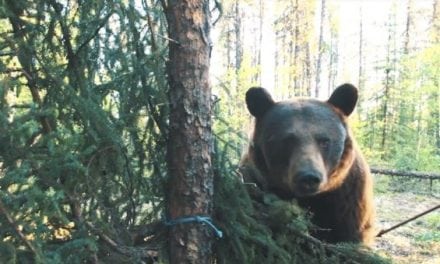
(296, 54)
(409, 22)
(435, 21)
(276, 77)
(436, 121)
(361, 52)
(320, 49)
(308, 72)
(190, 187)
(385, 110)
(435, 31)
(333, 60)
(228, 47)
(260, 41)
(238, 43)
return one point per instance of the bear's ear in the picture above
(258, 101)
(344, 98)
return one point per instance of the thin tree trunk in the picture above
(436, 117)
(292, 63)
(333, 61)
(435, 31)
(320, 49)
(308, 72)
(406, 44)
(238, 43)
(385, 109)
(228, 48)
(361, 52)
(260, 41)
(277, 63)
(190, 187)
(330, 69)
(435, 22)
(296, 87)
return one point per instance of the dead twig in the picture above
(384, 231)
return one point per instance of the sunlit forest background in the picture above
(389, 49)
(84, 108)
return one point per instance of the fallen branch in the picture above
(411, 174)
(384, 231)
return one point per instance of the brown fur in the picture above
(342, 208)
(344, 211)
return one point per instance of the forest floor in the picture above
(416, 242)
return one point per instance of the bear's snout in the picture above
(307, 182)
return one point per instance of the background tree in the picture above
(333, 52)
(320, 48)
(294, 29)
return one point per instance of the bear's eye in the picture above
(279, 152)
(323, 142)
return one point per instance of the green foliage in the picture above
(410, 128)
(261, 228)
(432, 222)
(8, 254)
(83, 111)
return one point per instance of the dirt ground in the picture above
(416, 242)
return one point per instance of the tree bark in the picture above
(296, 87)
(435, 21)
(361, 52)
(409, 22)
(190, 186)
(259, 45)
(320, 49)
(334, 50)
(307, 76)
(238, 40)
(385, 110)
(435, 31)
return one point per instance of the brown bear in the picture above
(303, 149)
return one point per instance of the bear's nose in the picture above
(308, 181)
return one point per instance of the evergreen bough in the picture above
(261, 228)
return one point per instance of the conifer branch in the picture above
(14, 225)
(26, 60)
(101, 24)
(150, 25)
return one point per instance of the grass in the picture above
(432, 222)
(419, 240)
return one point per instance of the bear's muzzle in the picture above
(307, 182)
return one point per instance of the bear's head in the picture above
(302, 147)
